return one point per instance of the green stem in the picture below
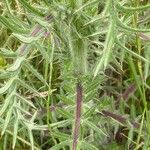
(49, 115)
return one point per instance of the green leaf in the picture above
(63, 123)
(130, 137)
(17, 64)
(94, 127)
(90, 95)
(129, 9)
(68, 88)
(15, 131)
(66, 100)
(7, 53)
(12, 27)
(61, 135)
(87, 146)
(61, 145)
(131, 52)
(26, 39)
(124, 26)
(31, 139)
(147, 65)
(6, 74)
(23, 84)
(25, 100)
(109, 42)
(7, 119)
(42, 51)
(93, 85)
(33, 117)
(88, 4)
(7, 102)
(22, 110)
(35, 72)
(30, 8)
(64, 113)
(43, 23)
(6, 86)
(89, 112)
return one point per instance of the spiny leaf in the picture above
(130, 137)
(124, 26)
(6, 86)
(42, 22)
(30, 8)
(131, 52)
(66, 100)
(15, 131)
(63, 123)
(103, 62)
(7, 119)
(64, 113)
(90, 95)
(87, 146)
(86, 5)
(61, 145)
(17, 64)
(97, 18)
(22, 110)
(92, 85)
(42, 51)
(7, 53)
(33, 117)
(23, 84)
(89, 112)
(129, 9)
(147, 65)
(31, 138)
(12, 27)
(26, 39)
(6, 103)
(6, 74)
(94, 127)
(25, 100)
(61, 135)
(35, 72)
(98, 33)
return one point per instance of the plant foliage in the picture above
(74, 74)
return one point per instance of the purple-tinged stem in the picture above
(144, 37)
(121, 119)
(130, 90)
(79, 96)
(34, 33)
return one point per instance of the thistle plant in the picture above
(74, 74)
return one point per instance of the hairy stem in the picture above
(34, 33)
(79, 96)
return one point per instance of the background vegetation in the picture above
(74, 74)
